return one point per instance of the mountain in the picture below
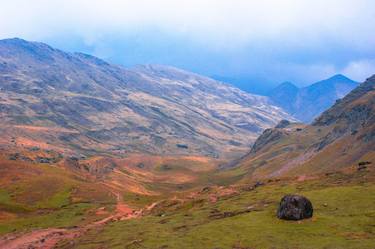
(185, 202)
(76, 103)
(285, 95)
(340, 137)
(307, 103)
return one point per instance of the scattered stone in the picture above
(34, 148)
(295, 207)
(43, 160)
(363, 165)
(18, 156)
(258, 184)
(140, 165)
(182, 146)
(14, 156)
(205, 189)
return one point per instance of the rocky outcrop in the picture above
(268, 137)
(340, 137)
(348, 115)
(295, 207)
(282, 124)
(344, 108)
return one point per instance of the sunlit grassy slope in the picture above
(344, 217)
(40, 196)
(36, 195)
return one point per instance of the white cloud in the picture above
(299, 40)
(360, 70)
(217, 22)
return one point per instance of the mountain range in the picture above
(95, 155)
(307, 103)
(341, 136)
(76, 103)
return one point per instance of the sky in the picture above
(253, 44)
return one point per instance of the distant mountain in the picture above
(308, 102)
(340, 137)
(77, 103)
(285, 95)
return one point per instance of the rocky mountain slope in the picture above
(76, 103)
(341, 137)
(307, 103)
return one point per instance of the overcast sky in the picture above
(266, 41)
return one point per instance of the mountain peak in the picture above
(20, 42)
(36, 49)
(340, 77)
(287, 84)
(13, 40)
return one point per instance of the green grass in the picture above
(59, 199)
(4, 196)
(344, 217)
(51, 199)
(55, 210)
(8, 205)
(139, 201)
(67, 216)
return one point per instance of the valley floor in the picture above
(243, 216)
(344, 217)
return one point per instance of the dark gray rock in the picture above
(295, 207)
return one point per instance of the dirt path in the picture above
(48, 238)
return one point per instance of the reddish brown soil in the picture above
(48, 238)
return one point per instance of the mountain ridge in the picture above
(341, 136)
(308, 102)
(78, 102)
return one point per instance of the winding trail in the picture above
(48, 238)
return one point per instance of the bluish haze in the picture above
(251, 44)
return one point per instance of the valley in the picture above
(95, 155)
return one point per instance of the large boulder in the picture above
(295, 207)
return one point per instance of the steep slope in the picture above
(285, 95)
(342, 136)
(307, 103)
(77, 103)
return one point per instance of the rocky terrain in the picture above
(94, 155)
(75, 103)
(309, 102)
(340, 136)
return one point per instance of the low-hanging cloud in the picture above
(310, 34)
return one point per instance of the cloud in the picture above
(281, 34)
(360, 70)
(219, 21)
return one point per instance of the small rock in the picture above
(258, 184)
(363, 165)
(295, 207)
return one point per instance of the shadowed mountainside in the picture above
(77, 103)
(307, 103)
(341, 136)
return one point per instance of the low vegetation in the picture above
(344, 214)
